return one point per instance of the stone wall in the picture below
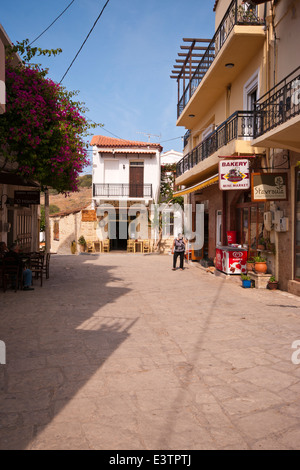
(69, 230)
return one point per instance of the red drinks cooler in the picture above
(231, 260)
(231, 237)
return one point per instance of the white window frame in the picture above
(253, 83)
(209, 130)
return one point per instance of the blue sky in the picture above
(123, 72)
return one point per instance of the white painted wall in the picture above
(114, 169)
(170, 157)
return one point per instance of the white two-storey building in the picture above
(125, 173)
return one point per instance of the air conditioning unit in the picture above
(281, 223)
(268, 221)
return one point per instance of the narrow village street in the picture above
(117, 351)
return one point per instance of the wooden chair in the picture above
(89, 247)
(97, 246)
(106, 245)
(46, 267)
(37, 266)
(146, 246)
(131, 246)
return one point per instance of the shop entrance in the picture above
(250, 223)
(118, 225)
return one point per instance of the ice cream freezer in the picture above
(231, 260)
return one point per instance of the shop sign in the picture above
(269, 187)
(89, 216)
(24, 198)
(234, 174)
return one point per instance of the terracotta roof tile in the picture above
(102, 141)
(71, 211)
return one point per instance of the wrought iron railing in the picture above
(237, 14)
(238, 126)
(122, 190)
(279, 104)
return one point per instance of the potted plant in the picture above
(82, 243)
(250, 264)
(246, 281)
(270, 246)
(260, 265)
(272, 283)
(261, 244)
(73, 247)
(247, 15)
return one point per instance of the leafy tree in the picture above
(167, 183)
(85, 181)
(42, 222)
(43, 127)
(53, 208)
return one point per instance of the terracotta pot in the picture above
(273, 285)
(261, 247)
(250, 266)
(82, 248)
(261, 268)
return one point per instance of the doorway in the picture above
(136, 179)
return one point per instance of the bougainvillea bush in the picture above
(43, 128)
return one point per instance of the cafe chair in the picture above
(89, 247)
(106, 245)
(146, 246)
(37, 266)
(97, 246)
(130, 246)
(46, 267)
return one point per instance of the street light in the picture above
(1, 201)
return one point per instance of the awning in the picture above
(16, 180)
(204, 184)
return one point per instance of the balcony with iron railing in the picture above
(277, 114)
(239, 126)
(122, 190)
(236, 16)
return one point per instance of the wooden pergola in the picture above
(193, 52)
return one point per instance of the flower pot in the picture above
(273, 285)
(261, 268)
(250, 266)
(261, 247)
(82, 248)
(246, 283)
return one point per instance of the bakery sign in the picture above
(234, 174)
(269, 187)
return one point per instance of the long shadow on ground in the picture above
(57, 338)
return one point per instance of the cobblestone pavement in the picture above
(117, 351)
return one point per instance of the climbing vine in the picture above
(43, 127)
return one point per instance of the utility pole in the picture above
(47, 222)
